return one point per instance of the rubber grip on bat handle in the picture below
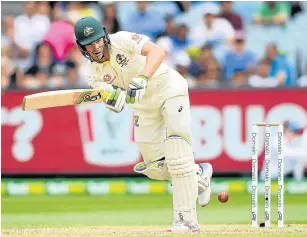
(106, 93)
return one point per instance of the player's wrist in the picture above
(143, 77)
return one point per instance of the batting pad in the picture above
(182, 168)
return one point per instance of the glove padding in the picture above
(116, 100)
(136, 89)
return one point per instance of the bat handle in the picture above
(106, 93)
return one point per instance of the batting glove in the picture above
(136, 89)
(116, 100)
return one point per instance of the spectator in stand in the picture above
(302, 81)
(233, 18)
(213, 30)
(180, 40)
(239, 57)
(183, 6)
(44, 8)
(166, 43)
(262, 78)
(9, 73)
(38, 74)
(7, 36)
(6, 72)
(82, 9)
(280, 68)
(64, 74)
(46, 73)
(213, 74)
(56, 11)
(273, 13)
(170, 27)
(30, 29)
(61, 35)
(110, 19)
(8, 47)
(201, 63)
(201, 78)
(182, 63)
(145, 21)
(295, 7)
(210, 78)
(75, 60)
(206, 68)
(239, 78)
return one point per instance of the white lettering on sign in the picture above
(107, 136)
(236, 146)
(216, 131)
(29, 124)
(206, 125)
(288, 111)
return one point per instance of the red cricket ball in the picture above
(223, 197)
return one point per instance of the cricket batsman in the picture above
(130, 67)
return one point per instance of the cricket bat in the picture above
(58, 98)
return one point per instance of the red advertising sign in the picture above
(92, 139)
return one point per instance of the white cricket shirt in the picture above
(126, 62)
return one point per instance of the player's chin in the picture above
(98, 56)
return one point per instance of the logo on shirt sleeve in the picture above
(136, 37)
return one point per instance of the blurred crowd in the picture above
(39, 49)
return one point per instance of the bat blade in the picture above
(58, 98)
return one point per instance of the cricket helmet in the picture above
(88, 30)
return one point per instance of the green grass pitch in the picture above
(140, 215)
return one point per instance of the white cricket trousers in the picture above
(163, 112)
